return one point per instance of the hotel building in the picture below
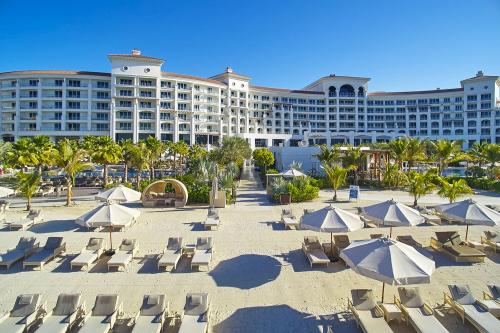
(137, 99)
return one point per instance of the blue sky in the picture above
(401, 45)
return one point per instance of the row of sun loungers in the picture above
(372, 317)
(30, 313)
(201, 253)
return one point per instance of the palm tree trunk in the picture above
(175, 164)
(138, 178)
(152, 172)
(125, 178)
(105, 175)
(69, 195)
(28, 204)
(335, 194)
(415, 201)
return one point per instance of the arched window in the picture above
(361, 92)
(346, 91)
(446, 132)
(471, 123)
(459, 132)
(332, 91)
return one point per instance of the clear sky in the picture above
(400, 44)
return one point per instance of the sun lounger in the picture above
(103, 315)
(195, 317)
(491, 239)
(151, 317)
(23, 249)
(418, 313)
(89, 254)
(468, 308)
(492, 300)
(431, 218)
(124, 255)
(450, 243)
(369, 316)
(172, 254)
(409, 240)
(203, 253)
(314, 251)
(212, 221)
(53, 247)
(68, 310)
(26, 311)
(289, 220)
(340, 243)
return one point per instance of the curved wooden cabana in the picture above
(165, 193)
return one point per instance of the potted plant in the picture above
(280, 190)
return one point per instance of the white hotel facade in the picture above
(136, 100)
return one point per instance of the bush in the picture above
(486, 184)
(271, 171)
(320, 182)
(198, 193)
(300, 189)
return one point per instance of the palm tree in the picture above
(398, 151)
(197, 151)
(182, 149)
(415, 151)
(353, 160)
(328, 155)
(44, 149)
(336, 176)
(233, 149)
(491, 155)
(420, 184)
(446, 152)
(27, 184)
(393, 176)
(155, 149)
(454, 190)
(22, 154)
(105, 152)
(476, 152)
(71, 159)
(127, 147)
(139, 160)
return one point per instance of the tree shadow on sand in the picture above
(281, 318)
(246, 271)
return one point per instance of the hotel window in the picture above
(182, 106)
(74, 83)
(57, 105)
(124, 115)
(124, 126)
(422, 101)
(471, 98)
(146, 94)
(73, 105)
(458, 99)
(101, 84)
(33, 83)
(73, 127)
(146, 115)
(73, 94)
(182, 96)
(32, 105)
(166, 94)
(458, 107)
(125, 104)
(33, 93)
(145, 105)
(102, 127)
(58, 83)
(446, 100)
(58, 93)
(486, 105)
(434, 101)
(125, 92)
(182, 86)
(127, 82)
(101, 116)
(57, 127)
(472, 106)
(485, 97)
(166, 84)
(146, 83)
(102, 95)
(165, 105)
(102, 106)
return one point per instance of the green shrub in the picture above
(320, 182)
(486, 184)
(272, 171)
(198, 193)
(300, 189)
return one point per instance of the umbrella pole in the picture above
(110, 239)
(383, 291)
(390, 232)
(331, 243)
(466, 231)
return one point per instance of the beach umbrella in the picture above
(331, 219)
(291, 173)
(469, 212)
(5, 191)
(119, 194)
(108, 215)
(392, 213)
(388, 261)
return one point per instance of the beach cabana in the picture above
(469, 212)
(119, 194)
(388, 261)
(165, 193)
(331, 219)
(393, 214)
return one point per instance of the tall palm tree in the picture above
(233, 149)
(127, 147)
(398, 151)
(180, 148)
(336, 176)
(27, 184)
(420, 184)
(22, 154)
(155, 149)
(105, 152)
(446, 152)
(415, 151)
(44, 149)
(71, 159)
(491, 155)
(328, 155)
(139, 160)
(353, 160)
(476, 152)
(454, 189)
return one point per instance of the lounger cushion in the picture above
(462, 294)
(317, 256)
(105, 305)
(25, 305)
(481, 318)
(84, 258)
(196, 304)
(201, 258)
(495, 291)
(11, 256)
(169, 257)
(26, 243)
(372, 323)
(96, 324)
(127, 245)
(424, 322)
(410, 297)
(463, 251)
(311, 240)
(153, 305)
(444, 237)
(54, 324)
(204, 243)
(53, 243)
(362, 299)
(492, 306)
(40, 257)
(13, 325)
(120, 258)
(174, 243)
(147, 324)
(66, 304)
(192, 324)
(94, 244)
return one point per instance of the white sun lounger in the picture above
(368, 314)
(68, 310)
(26, 311)
(53, 247)
(172, 254)
(289, 220)
(103, 315)
(23, 249)
(212, 220)
(89, 254)
(151, 317)
(468, 308)
(314, 251)
(416, 312)
(492, 300)
(124, 255)
(203, 254)
(195, 317)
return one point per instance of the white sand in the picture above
(260, 280)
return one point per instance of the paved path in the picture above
(251, 192)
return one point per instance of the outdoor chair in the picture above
(68, 311)
(369, 315)
(26, 311)
(450, 243)
(171, 254)
(196, 314)
(124, 255)
(24, 248)
(151, 317)
(53, 247)
(314, 251)
(89, 254)
(103, 315)
(203, 253)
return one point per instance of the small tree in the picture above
(105, 152)
(454, 190)
(263, 157)
(27, 184)
(420, 184)
(336, 176)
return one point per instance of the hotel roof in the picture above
(53, 72)
(292, 91)
(417, 92)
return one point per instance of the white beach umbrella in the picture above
(470, 212)
(119, 194)
(108, 215)
(5, 191)
(388, 261)
(331, 219)
(292, 173)
(394, 214)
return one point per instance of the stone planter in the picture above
(285, 199)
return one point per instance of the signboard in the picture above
(353, 192)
